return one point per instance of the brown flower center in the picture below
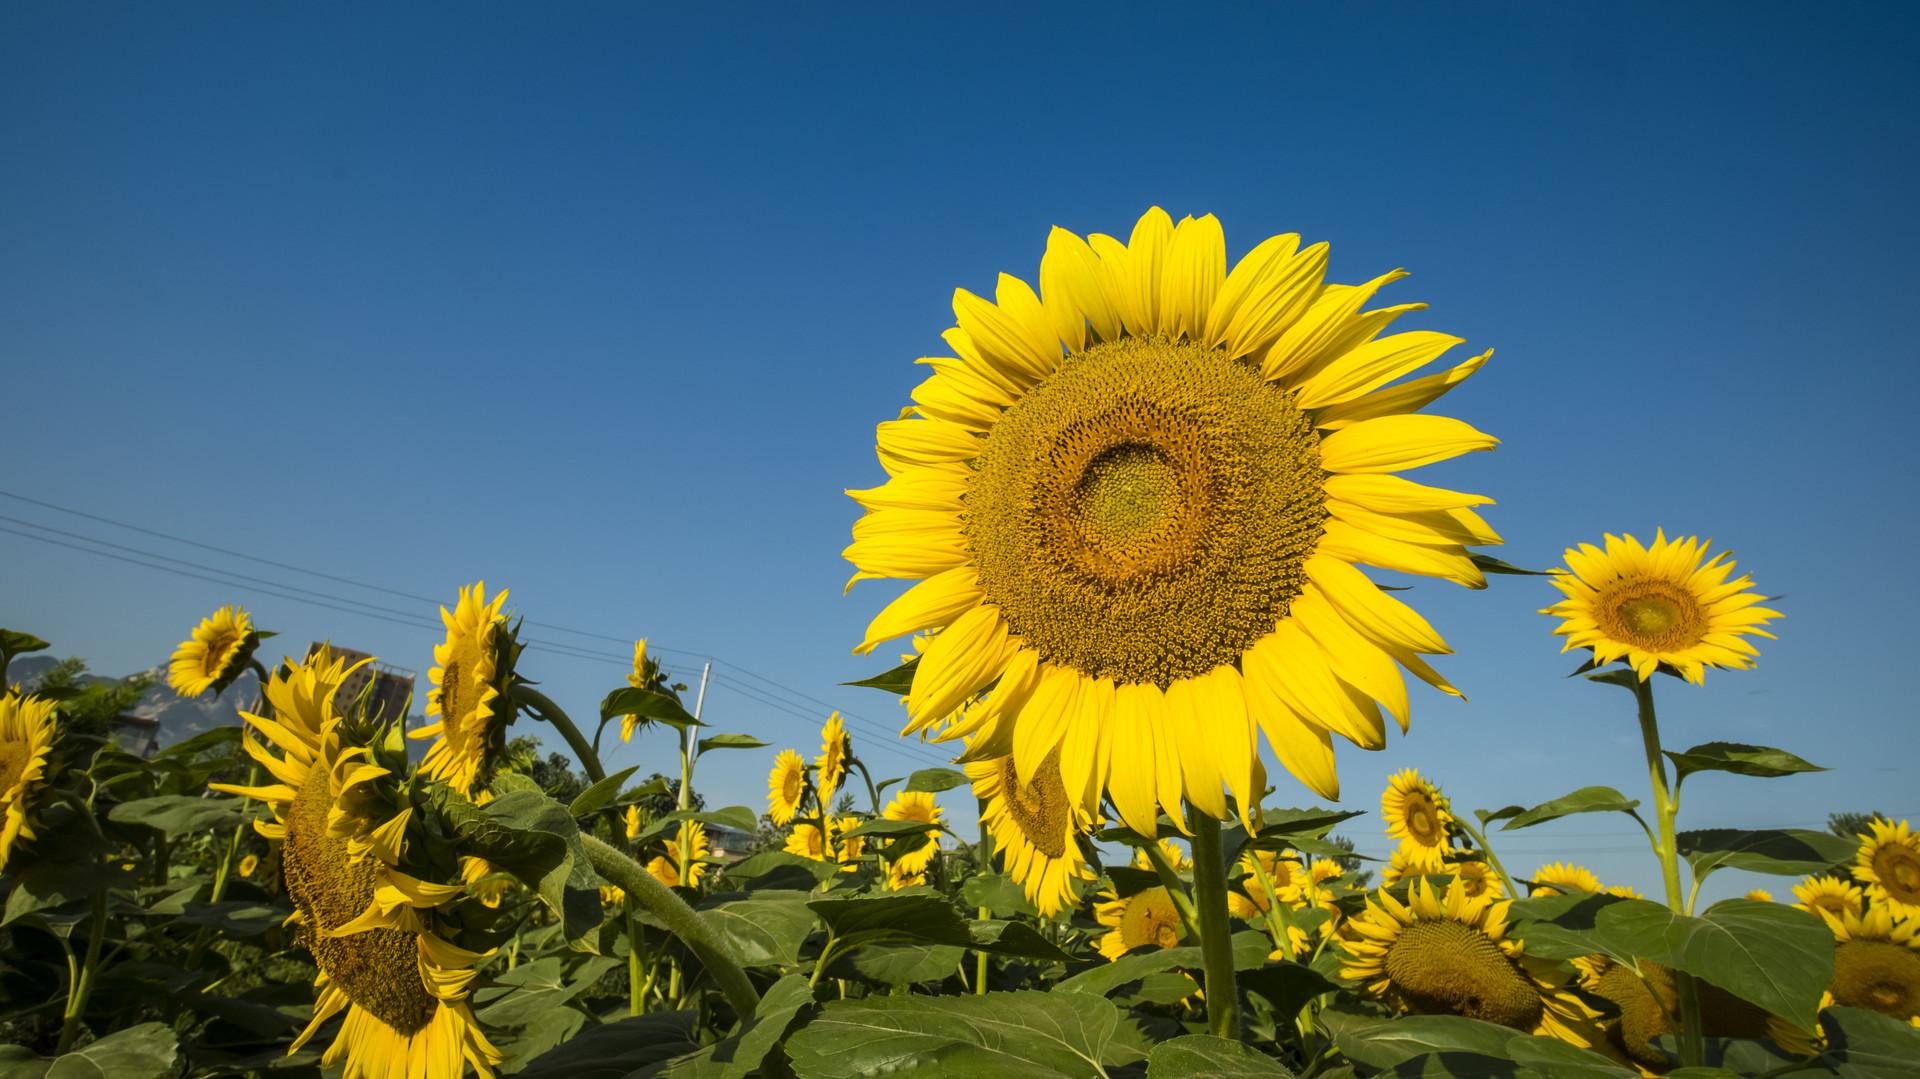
(792, 785)
(219, 649)
(1444, 967)
(1040, 809)
(1423, 820)
(1898, 867)
(1651, 614)
(1877, 974)
(1150, 918)
(13, 764)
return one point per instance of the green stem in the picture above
(80, 982)
(1666, 807)
(872, 794)
(986, 866)
(1189, 917)
(1216, 943)
(554, 714)
(820, 963)
(1486, 849)
(636, 990)
(679, 919)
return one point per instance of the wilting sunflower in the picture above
(26, 734)
(1659, 604)
(1888, 865)
(671, 869)
(1145, 919)
(464, 691)
(1450, 955)
(1036, 829)
(638, 678)
(1564, 878)
(1416, 814)
(370, 925)
(1137, 500)
(215, 653)
(915, 806)
(786, 786)
(1876, 963)
(836, 747)
(1830, 894)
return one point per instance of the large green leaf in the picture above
(739, 818)
(742, 1054)
(1383, 1043)
(1867, 1045)
(534, 837)
(881, 826)
(600, 794)
(1738, 758)
(1457, 1064)
(650, 705)
(896, 681)
(998, 893)
(925, 919)
(1584, 800)
(175, 815)
(763, 931)
(1787, 852)
(777, 869)
(530, 991)
(1490, 564)
(48, 884)
(903, 964)
(1203, 1054)
(1286, 986)
(617, 1050)
(934, 780)
(146, 1051)
(1016, 1035)
(1279, 825)
(1106, 978)
(731, 741)
(1551, 1058)
(238, 918)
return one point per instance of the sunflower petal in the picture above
(1393, 443)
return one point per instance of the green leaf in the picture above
(1768, 954)
(143, 1052)
(998, 894)
(534, 837)
(731, 741)
(933, 780)
(650, 705)
(1107, 978)
(1584, 800)
(1787, 852)
(763, 931)
(617, 1050)
(15, 643)
(240, 918)
(742, 1054)
(1455, 1065)
(1279, 825)
(896, 681)
(533, 990)
(904, 964)
(1552, 1058)
(1740, 759)
(182, 814)
(46, 885)
(1490, 564)
(1867, 1045)
(1287, 986)
(1383, 1043)
(881, 826)
(925, 919)
(1016, 1035)
(739, 818)
(1011, 938)
(1203, 1054)
(777, 869)
(600, 794)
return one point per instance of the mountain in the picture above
(179, 718)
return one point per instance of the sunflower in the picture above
(464, 691)
(1036, 829)
(1478, 880)
(486, 885)
(1830, 894)
(672, 870)
(638, 678)
(915, 806)
(848, 848)
(1283, 872)
(27, 728)
(632, 823)
(1137, 501)
(248, 864)
(1889, 866)
(1659, 604)
(1417, 815)
(1451, 955)
(370, 925)
(806, 841)
(216, 652)
(836, 746)
(899, 877)
(1876, 962)
(786, 786)
(1760, 895)
(1563, 878)
(1145, 919)
(1399, 867)
(1648, 1000)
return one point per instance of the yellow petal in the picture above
(1376, 615)
(1166, 757)
(1080, 750)
(960, 660)
(1196, 265)
(1296, 669)
(1410, 396)
(1372, 366)
(1436, 528)
(1304, 749)
(1132, 782)
(1256, 275)
(1199, 774)
(926, 442)
(1328, 319)
(1383, 493)
(1222, 703)
(1345, 541)
(1014, 334)
(1071, 290)
(1393, 443)
(934, 487)
(1043, 721)
(958, 396)
(1354, 659)
(931, 604)
(1140, 274)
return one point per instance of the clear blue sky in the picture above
(602, 303)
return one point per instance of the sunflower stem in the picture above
(679, 919)
(1493, 860)
(541, 706)
(1177, 892)
(1666, 806)
(80, 982)
(872, 794)
(985, 866)
(1216, 943)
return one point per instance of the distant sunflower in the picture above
(1565, 878)
(1145, 919)
(638, 678)
(671, 869)
(489, 887)
(806, 841)
(836, 747)
(1830, 894)
(1451, 955)
(1036, 829)
(214, 654)
(464, 691)
(899, 876)
(786, 786)
(632, 823)
(27, 728)
(1478, 880)
(1760, 895)
(1876, 963)
(1416, 814)
(1658, 604)
(915, 806)
(370, 925)
(248, 864)
(1283, 871)
(1399, 867)
(1888, 865)
(847, 849)
(1137, 501)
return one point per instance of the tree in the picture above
(1851, 825)
(90, 704)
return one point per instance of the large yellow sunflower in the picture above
(915, 806)
(836, 747)
(1876, 962)
(26, 734)
(1036, 829)
(1564, 878)
(673, 870)
(1145, 919)
(1658, 604)
(213, 654)
(464, 691)
(1137, 501)
(786, 786)
(371, 926)
(1888, 865)
(1649, 999)
(1416, 814)
(1451, 955)
(1830, 894)
(638, 678)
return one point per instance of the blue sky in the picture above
(602, 304)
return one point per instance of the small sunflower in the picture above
(1830, 894)
(638, 678)
(1760, 895)
(632, 823)
(899, 877)
(1479, 880)
(915, 806)
(836, 747)
(1283, 872)
(372, 927)
(786, 786)
(806, 841)
(1876, 963)
(1565, 878)
(248, 864)
(465, 689)
(1658, 604)
(848, 848)
(1145, 919)
(1036, 829)
(1888, 865)
(214, 655)
(27, 729)
(1451, 955)
(671, 869)
(1138, 500)
(1416, 814)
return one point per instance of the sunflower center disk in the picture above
(1040, 809)
(1150, 919)
(1878, 975)
(1446, 968)
(792, 786)
(216, 658)
(1145, 513)
(378, 969)
(1899, 872)
(1655, 615)
(1422, 822)
(13, 764)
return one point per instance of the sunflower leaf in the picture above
(1379, 1042)
(618, 1049)
(934, 780)
(1584, 800)
(1012, 1035)
(1786, 852)
(998, 893)
(652, 706)
(1552, 1057)
(535, 838)
(146, 1051)
(1740, 759)
(181, 814)
(742, 1054)
(896, 681)
(1490, 564)
(739, 818)
(731, 741)
(597, 797)
(1204, 1054)
(1867, 1045)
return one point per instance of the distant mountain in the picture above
(179, 717)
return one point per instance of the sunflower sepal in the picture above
(897, 681)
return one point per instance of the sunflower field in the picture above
(1135, 509)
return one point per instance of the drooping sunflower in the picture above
(1137, 501)
(1658, 604)
(1876, 962)
(1036, 829)
(1830, 894)
(1888, 865)
(671, 869)
(27, 728)
(1416, 814)
(214, 654)
(1451, 955)
(786, 786)
(1565, 878)
(638, 678)
(371, 926)
(836, 747)
(465, 688)
(915, 806)
(1146, 918)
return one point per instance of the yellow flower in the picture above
(1888, 865)
(915, 806)
(215, 653)
(786, 786)
(806, 841)
(1478, 880)
(1876, 962)
(848, 848)
(1175, 857)
(1563, 878)
(248, 864)
(372, 927)
(836, 746)
(898, 877)
(1399, 866)
(1283, 872)
(1036, 830)
(1760, 895)
(1136, 503)
(1450, 954)
(27, 729)
(631, 823)
(474, 873)
(1658, 604)
(1417, 815)
(464, 692)
(671, 869)
(1648, 999)
(1829, 894)
(638, 679)
(1145, 919)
